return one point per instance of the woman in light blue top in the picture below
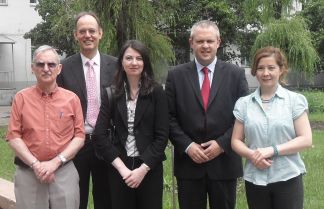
(271, 127)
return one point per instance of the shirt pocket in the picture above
(63, 125)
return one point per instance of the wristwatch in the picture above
(62, 158)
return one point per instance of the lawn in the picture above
(313, 180)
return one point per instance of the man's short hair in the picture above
(44, 48)
(204, 24)
(81, 14)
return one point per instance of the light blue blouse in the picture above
(271, 126)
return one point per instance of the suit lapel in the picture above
(122, 109)
(217, 80)
(141, 105)
(106, 72)
(192, 76)
(79, 76)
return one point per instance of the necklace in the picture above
(266, 100)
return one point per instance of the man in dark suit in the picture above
(201, 96)
(75, 77)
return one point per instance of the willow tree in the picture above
(135, 19)
(121, 20)
(313, 12)
(294, 39)
(281, 28)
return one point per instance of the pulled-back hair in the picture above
(277, 54)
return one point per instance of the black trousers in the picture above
(147, 196)
(192, 193)
(281, 195)
(88, 165)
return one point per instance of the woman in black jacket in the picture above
(140, 116)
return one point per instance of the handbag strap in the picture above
(111, 101)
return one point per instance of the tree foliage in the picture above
(281, 28)
(293, 38)
(164, 26)
(57, 26)
(121, 20)
(265, 11)
(226, 13)
(313, 13)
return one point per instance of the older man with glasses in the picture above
(46, 130)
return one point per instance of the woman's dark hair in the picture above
(147, 76)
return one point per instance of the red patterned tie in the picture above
(205, 88)
(93, 103)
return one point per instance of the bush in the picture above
(315, 100)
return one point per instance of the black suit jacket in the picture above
(72, 76)
(151, 128)
(190, 123)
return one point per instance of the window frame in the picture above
(33, 3)
(4, 3)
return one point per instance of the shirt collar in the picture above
(279, 93)
(96, 58)
(42, 93)
(211, 66)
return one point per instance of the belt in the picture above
(88, 138)
(21, 163)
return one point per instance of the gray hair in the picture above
(44, 48)
(204, 24)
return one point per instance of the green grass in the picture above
(313, 180)
(7, 167)
(316, 117)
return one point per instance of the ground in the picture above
(317, 125)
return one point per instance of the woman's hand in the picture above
(136, 176)
(260, 157)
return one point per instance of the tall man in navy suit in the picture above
(74, 77)
(201, 122)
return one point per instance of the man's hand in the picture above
(196, 153)
(211, 149)
(45, 171)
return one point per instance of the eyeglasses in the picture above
(50, 65)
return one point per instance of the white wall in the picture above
(17, 18)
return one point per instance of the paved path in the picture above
(4, 115)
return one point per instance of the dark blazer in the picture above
(72, 79)
(189, 122)
(151, 128)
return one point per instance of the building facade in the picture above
(16, 18)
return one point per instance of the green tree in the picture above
(293, 38)
(227, 14)
(280, 28)
(56, 27)
(313, 13)
(121, 20)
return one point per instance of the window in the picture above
(33, 2)
(3, 2)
